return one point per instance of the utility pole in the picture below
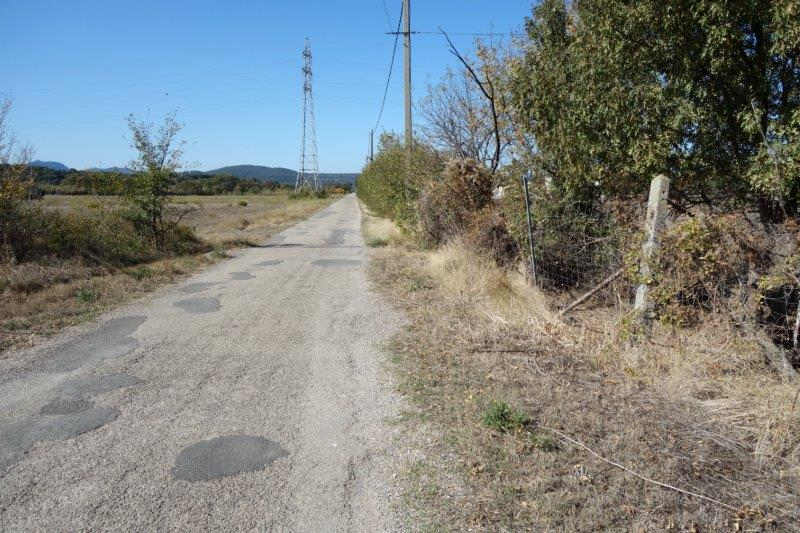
(371, 145)
(407, 76)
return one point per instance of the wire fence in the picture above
(707, 261)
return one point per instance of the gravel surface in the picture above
(260, 402)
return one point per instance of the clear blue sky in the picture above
(76, 68)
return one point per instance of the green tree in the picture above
(705, 91)
(159, 157)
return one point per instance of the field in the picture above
(42, 297)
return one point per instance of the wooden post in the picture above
(654, 223)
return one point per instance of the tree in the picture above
(457, 118)
(705, 91)
(159, 157)
(15, 184)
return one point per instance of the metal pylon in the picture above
(308, 173)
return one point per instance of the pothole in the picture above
(226, 456)
(241, 276)
(199, 305)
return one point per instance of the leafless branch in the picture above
(489, 93)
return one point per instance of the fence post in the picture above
(654, 223)
(530, 225)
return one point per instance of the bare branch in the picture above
(488, 93)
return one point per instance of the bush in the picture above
(99, 237)
(488, 233)
(386, 187)
(447, 206)
(243, 203)
(704, 260)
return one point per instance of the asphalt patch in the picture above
(225, 456)
(241, 276)
(336, 262)
(193, 288)
(270, 262)
(199, 305)
(93, 385)
(66, 406)
(18, 438)
(111, 339)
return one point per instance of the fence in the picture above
(669, 266)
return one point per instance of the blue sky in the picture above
(231, 69)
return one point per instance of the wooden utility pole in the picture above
(371, 145)
(407, 76)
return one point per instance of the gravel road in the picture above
(252, 396)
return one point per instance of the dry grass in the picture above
(43, 297)
(700, 412)
(220, 220)
(379, 231)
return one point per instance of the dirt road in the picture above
(250, 397)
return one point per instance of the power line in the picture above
(391, 67)
(388, 16)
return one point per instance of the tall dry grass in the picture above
(697, 409)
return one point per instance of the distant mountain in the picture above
(119, 170)
(53, 165)
(257, 172)
(279, 174)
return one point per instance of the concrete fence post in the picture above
(654, 223)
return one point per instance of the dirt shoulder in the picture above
(521, 425)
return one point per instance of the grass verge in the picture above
(523, 422)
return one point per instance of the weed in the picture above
(140, 273)
(502, 417)
(243, 203)
(377, 242)
(86, 295)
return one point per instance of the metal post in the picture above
(524, 178)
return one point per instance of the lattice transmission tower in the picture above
(308, 173)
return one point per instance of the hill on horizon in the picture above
(249, 172)
(54, 165)
(279, 174)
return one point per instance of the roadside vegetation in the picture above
(533, 414)
(65, 258)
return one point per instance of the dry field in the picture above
(43, 297)
(527, 422)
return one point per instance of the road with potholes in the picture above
(253, 396)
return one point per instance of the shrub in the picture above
(243, 203)
(703, 260)
(446, 206)
(488, 233)
(387, 187)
